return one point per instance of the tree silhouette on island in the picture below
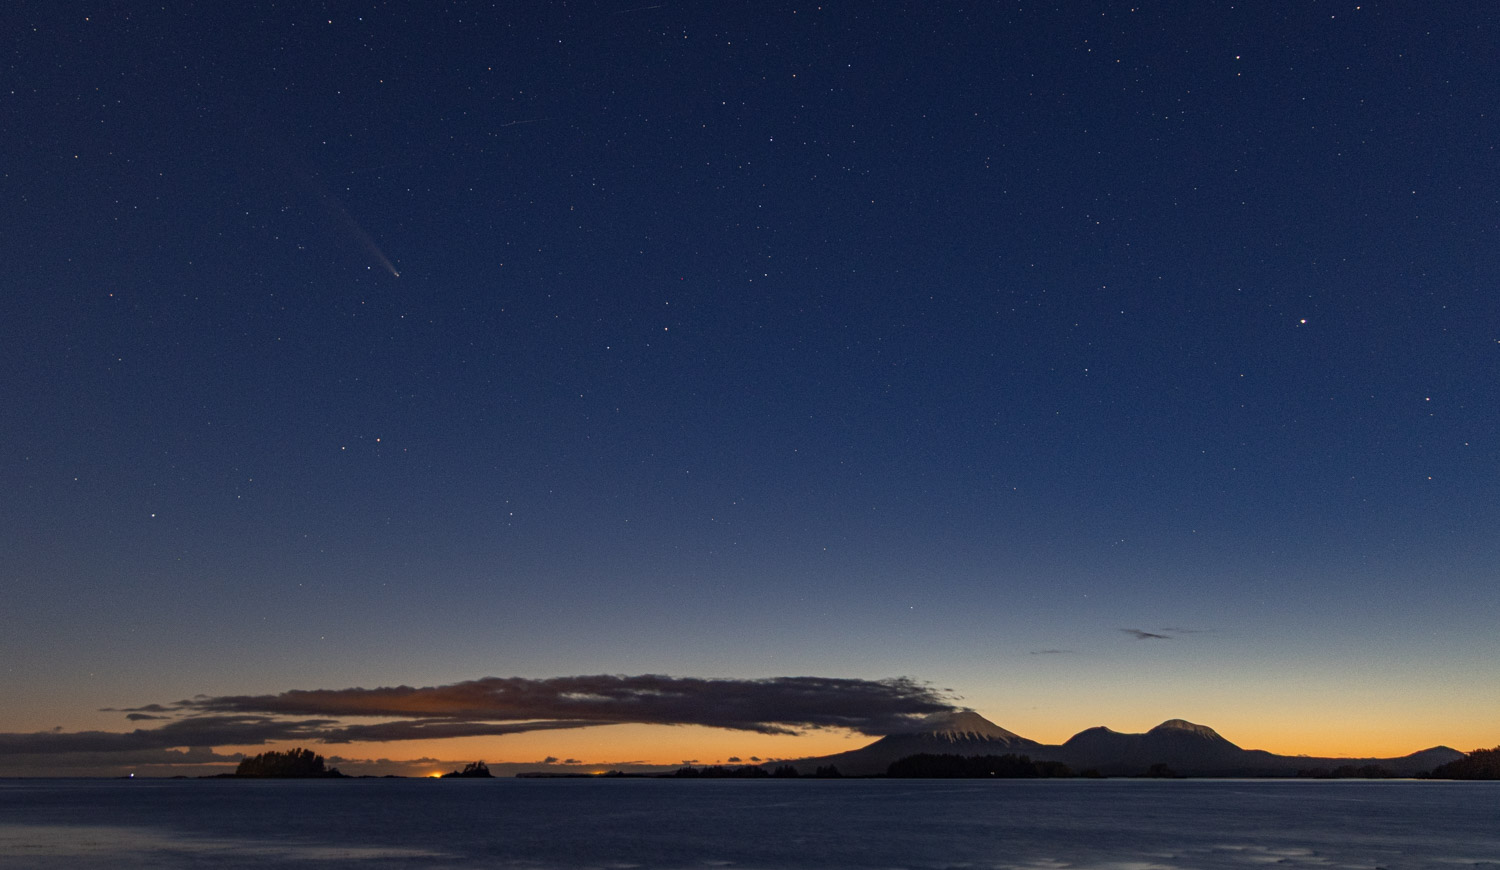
(947, 766)
(1479, 764)
(473, 770)
(297, 764)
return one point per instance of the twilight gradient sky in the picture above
(1102, 364)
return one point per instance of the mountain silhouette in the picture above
(1186, 748)
(961, 732)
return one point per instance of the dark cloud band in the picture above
(775, 705)
(510, 705)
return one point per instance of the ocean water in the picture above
(642, 823)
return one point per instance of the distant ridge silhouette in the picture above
(1186, 748)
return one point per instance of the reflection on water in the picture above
(539, 824)
(96, 842)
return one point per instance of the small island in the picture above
(297, 764)
(476, 770)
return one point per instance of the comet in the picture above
(354, 228)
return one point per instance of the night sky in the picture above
(1098, 364)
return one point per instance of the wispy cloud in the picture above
(428, 766)
(93, 763)
(194, 731)
(1051, 652)
(1167, 633)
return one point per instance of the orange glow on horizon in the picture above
(601, 749)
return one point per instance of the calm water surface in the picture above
(623, 824)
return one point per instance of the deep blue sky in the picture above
(752, 339)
